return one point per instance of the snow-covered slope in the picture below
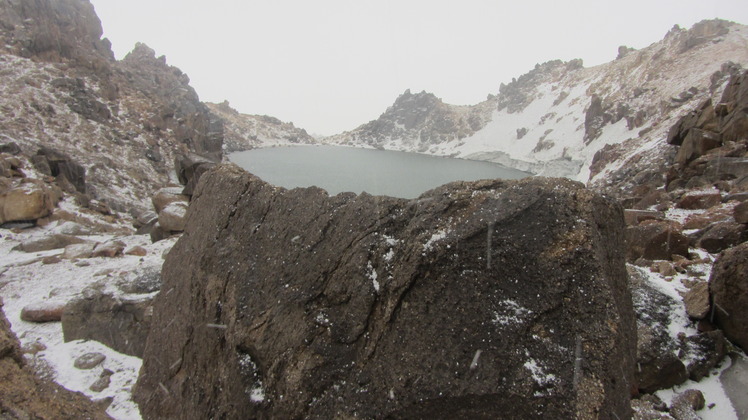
(553, 120)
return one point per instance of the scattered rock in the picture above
(706, 350)
(645, 409)
(728, 287)
(137, 250)
(655, 241)
(697, 300)
(53, 259)
(634, 217)
(89, 360)
(109, 249)
(158, 233)
(721, 236)
(103, 382)
(350, 330)
(142, 280)
(33, 347)
(695, 200)
(23, 395)
(77, 251)
(685, 404)
(665, 268)
(43, 312)
(741, 212)
(166, 196)
(100, 207)
(120, 323)
(172, 217)
(48, 242)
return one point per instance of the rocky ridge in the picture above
(556, 118)
(243, 131)
(417, 122)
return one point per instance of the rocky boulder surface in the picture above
(474, 300)
(729, 290)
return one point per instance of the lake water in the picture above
(378, 172)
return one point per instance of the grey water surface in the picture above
(378, 172)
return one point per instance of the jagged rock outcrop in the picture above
(244, 132)
(419, 121)
(290, 304)
(24, 396)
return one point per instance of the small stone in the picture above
(43, 312)
(103, 382)
(33, 347)
(76, 251)
(109, 249)
(137, 250)
(89, 360)
(697, 300)
(699, 200)
(83, 264)
(666, 269)
(53, 259)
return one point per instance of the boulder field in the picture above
(483, 300)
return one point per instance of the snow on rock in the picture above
(25, 282)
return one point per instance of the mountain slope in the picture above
(244, 131)
(554, 119)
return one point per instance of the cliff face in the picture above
(122, 122)
(473, 300)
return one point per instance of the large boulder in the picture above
(729, 289)
(25, 200)
(121, 323)
(657, 363)
(474, 300)
(166, 196)
(172, 217)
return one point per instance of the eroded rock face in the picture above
(474, 300)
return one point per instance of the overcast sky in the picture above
(331, 65)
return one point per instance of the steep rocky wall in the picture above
(489, 299)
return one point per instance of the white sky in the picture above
(331, 65)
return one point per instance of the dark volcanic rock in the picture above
(474, 300)
(729, 289)
(122, 324)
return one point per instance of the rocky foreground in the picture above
(539, 298)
